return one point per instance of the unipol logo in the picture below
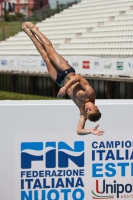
(53, 154)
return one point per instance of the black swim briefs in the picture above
(63, 74)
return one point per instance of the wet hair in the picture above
(95, 116)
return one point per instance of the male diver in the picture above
(78, 88)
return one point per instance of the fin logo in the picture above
(57, 154)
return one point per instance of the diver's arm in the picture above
(82, 131)
(77, 78)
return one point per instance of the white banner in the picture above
(82, 64)
(43, 158)
(88, 168)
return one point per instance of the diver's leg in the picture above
(51, 69)
(60, 63)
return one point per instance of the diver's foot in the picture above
(31, 26)
(26, 30)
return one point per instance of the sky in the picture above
(53, 2)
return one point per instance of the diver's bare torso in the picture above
(78, 95)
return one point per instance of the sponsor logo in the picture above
(130, 65)
(113, 188)
(96, 64)
(63, 157)
(4, 62)
(119, 65)
(86, 65)
(42, 63)
(108, 66)
(11, 63)
(75, 64)
(52, 169)
(98, 194)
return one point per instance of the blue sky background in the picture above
(53, 2)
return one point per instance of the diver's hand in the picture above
(62, 92)
(97, 132)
